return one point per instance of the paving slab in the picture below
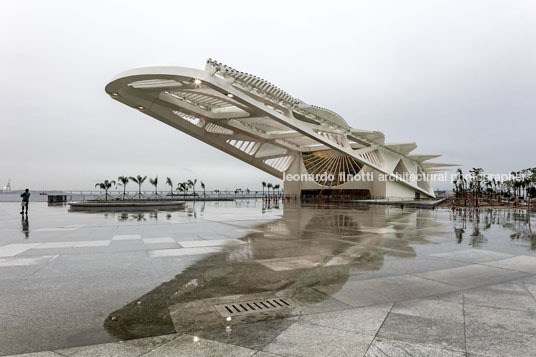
(382, 347)
(40, 354)
(191, 346)
(473, 275)
(512, 295)
(483, 340)
(497, 318)
(520, 263)
(402, 266)
(424, 330)
(254, 335)
(210, 243)
(126, 237)
(382, 290)
(365, 320)
(158, 240)
(304, 339)
(531, 289)
(172, 252)
(472, 255)
(448, 307)
(11, 250)
(119, 349)
(312, 301)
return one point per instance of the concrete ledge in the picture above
(99, 205)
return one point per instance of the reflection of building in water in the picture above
(307, 247)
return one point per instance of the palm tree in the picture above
(476, 179)
(192, 184)
(105, 186)
(263, 186)
(532, 182)
(203, 187)
(154, 182)
(180, 187)
(170, 184)
(139, 180)
(123, 182)
(269, 187)
(276, 187)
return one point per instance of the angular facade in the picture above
(312, 149)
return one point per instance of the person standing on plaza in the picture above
(25, 201)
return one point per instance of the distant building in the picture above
(312, 149)
(7, 188)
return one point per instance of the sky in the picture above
(456, 77)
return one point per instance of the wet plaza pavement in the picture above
(236, 278)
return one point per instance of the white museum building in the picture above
(312, 149)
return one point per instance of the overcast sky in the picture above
(457, 77)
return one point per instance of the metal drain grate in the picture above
(254, 306)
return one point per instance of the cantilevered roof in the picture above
(254, 120)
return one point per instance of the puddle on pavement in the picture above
(307, 247)
(289, 252)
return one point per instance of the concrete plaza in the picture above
(240, 279)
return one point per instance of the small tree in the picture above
(269, 186)
(263, 187)
(170, 184)
(203, 188)
(123, 182)
(154, 182)
(276, 187)
(139, 180)
(180, 187)
(105, 186)
(192, 185)
(476, 182)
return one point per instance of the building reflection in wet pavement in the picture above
(309, 247)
